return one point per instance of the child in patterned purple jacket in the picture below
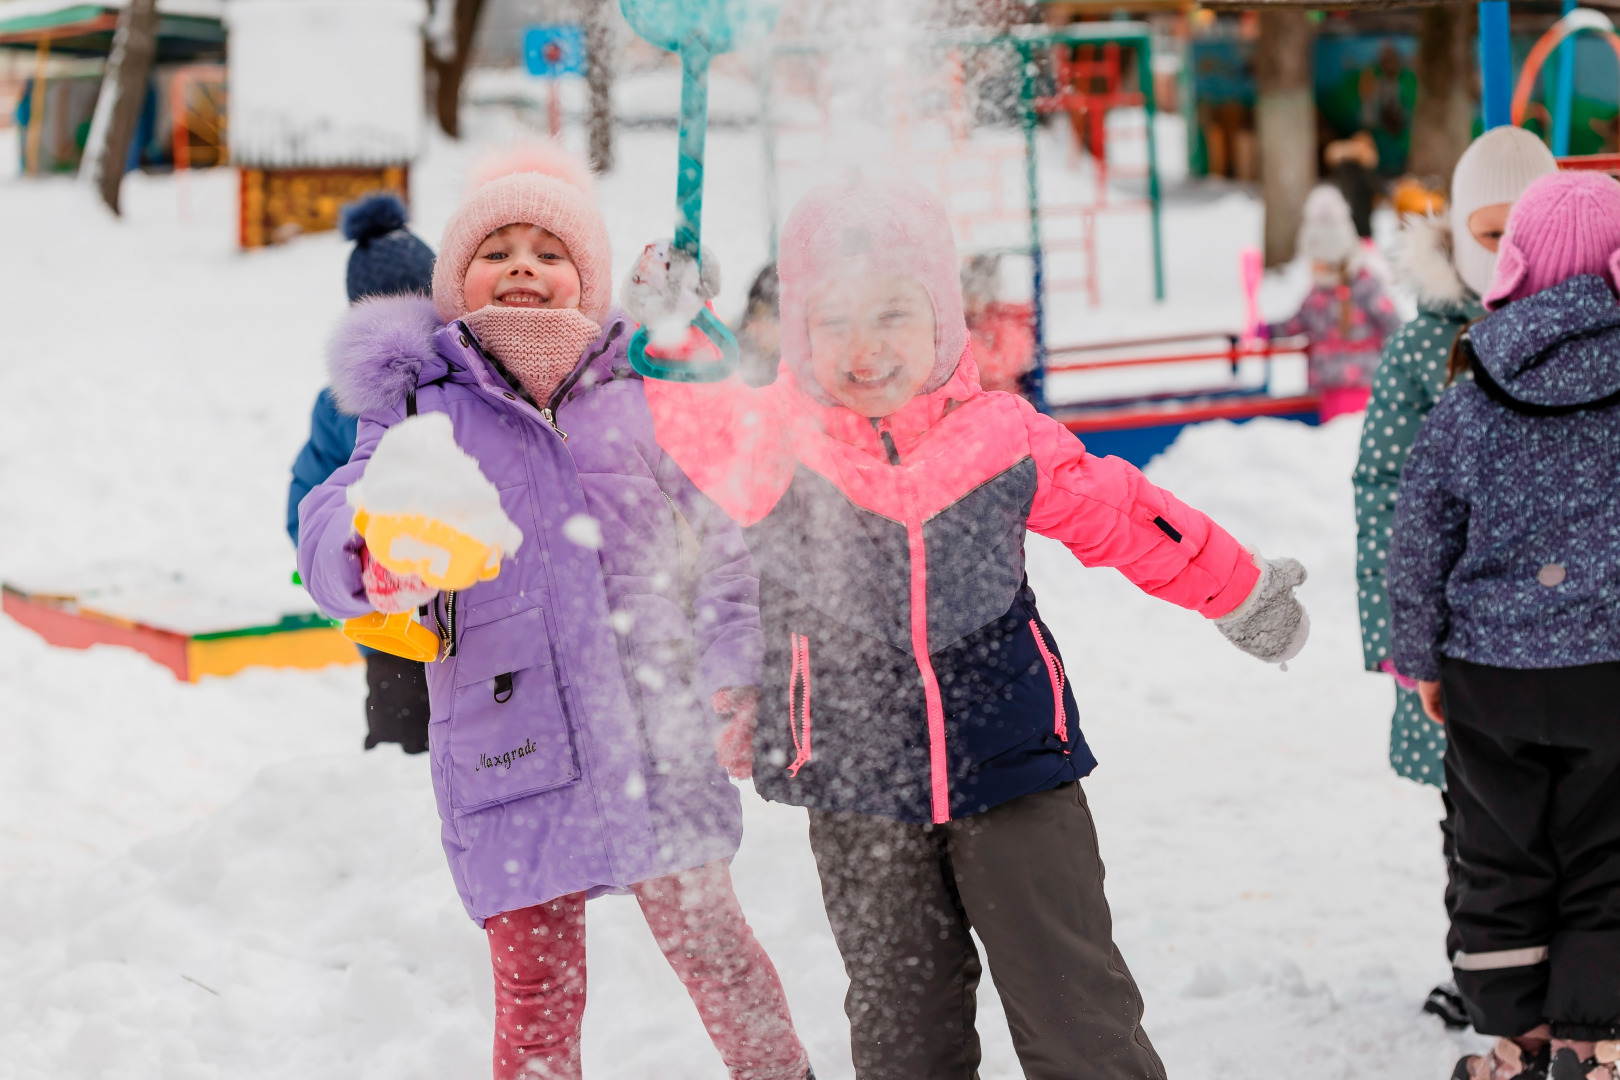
(1346, 315)
(1503, 593)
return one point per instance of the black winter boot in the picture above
(1445, 1002)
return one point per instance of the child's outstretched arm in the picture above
(1431, 532)
(1108, 514)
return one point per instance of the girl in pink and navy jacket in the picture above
(913, 699)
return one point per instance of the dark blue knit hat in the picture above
(387, 258)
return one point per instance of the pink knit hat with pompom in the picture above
(1566, 223)
(540, 184)
(870, 226)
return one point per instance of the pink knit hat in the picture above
(1566, 223)
(540, 185)
(870, 226)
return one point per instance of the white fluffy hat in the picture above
(1328, 234)
(1496, 168)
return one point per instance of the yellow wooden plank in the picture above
(307, 649)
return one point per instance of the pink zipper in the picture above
(938, 762)
(1054, 671)
(801, 667)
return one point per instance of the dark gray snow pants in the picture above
(1028, 877)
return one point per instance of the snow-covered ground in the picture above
(213, 881)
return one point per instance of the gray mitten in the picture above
(1270, 624)
(666, 288)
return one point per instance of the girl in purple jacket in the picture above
(578, 696)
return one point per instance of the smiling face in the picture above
(521, 266)
(1488, 223)
(871, 341)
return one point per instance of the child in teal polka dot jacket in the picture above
(1447, 262)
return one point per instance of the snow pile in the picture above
(418, 470)
(309, 928)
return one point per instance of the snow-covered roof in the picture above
(317, 83)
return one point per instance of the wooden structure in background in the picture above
(279, 204)
(326, 105)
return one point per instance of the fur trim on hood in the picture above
(1422, 260)
(378, 351)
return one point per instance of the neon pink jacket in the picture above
(907, 672)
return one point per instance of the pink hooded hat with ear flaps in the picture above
(540, 185)
(870, 226)
(1564, 224)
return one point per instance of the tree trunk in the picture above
(448, 71)
(122, 97)
(1285, 123)
(601, 53)
(1442, 123)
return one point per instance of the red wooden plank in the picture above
(1609, 163)
(73, 628)
(1148, 417)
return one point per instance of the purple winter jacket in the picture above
(572, 740)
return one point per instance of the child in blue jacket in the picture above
(1504, 582)
(387, 259)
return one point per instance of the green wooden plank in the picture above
(311, 621)
(67, 16)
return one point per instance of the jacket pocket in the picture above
(508, 730)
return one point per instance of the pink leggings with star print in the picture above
(539, 958)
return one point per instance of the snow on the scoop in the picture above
(417, 468)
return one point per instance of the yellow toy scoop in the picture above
(399, 634)
(425, 508)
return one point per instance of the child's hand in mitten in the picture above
(666, 288)
(738, 707)
(392, 593)
(1270, 625)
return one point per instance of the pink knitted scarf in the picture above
(538, 345)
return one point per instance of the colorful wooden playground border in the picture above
(296, 641)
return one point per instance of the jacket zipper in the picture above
(447, 625)
(881, 426)
(938, 762)
(548, 411)
(1054, 671)
(551, 418)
